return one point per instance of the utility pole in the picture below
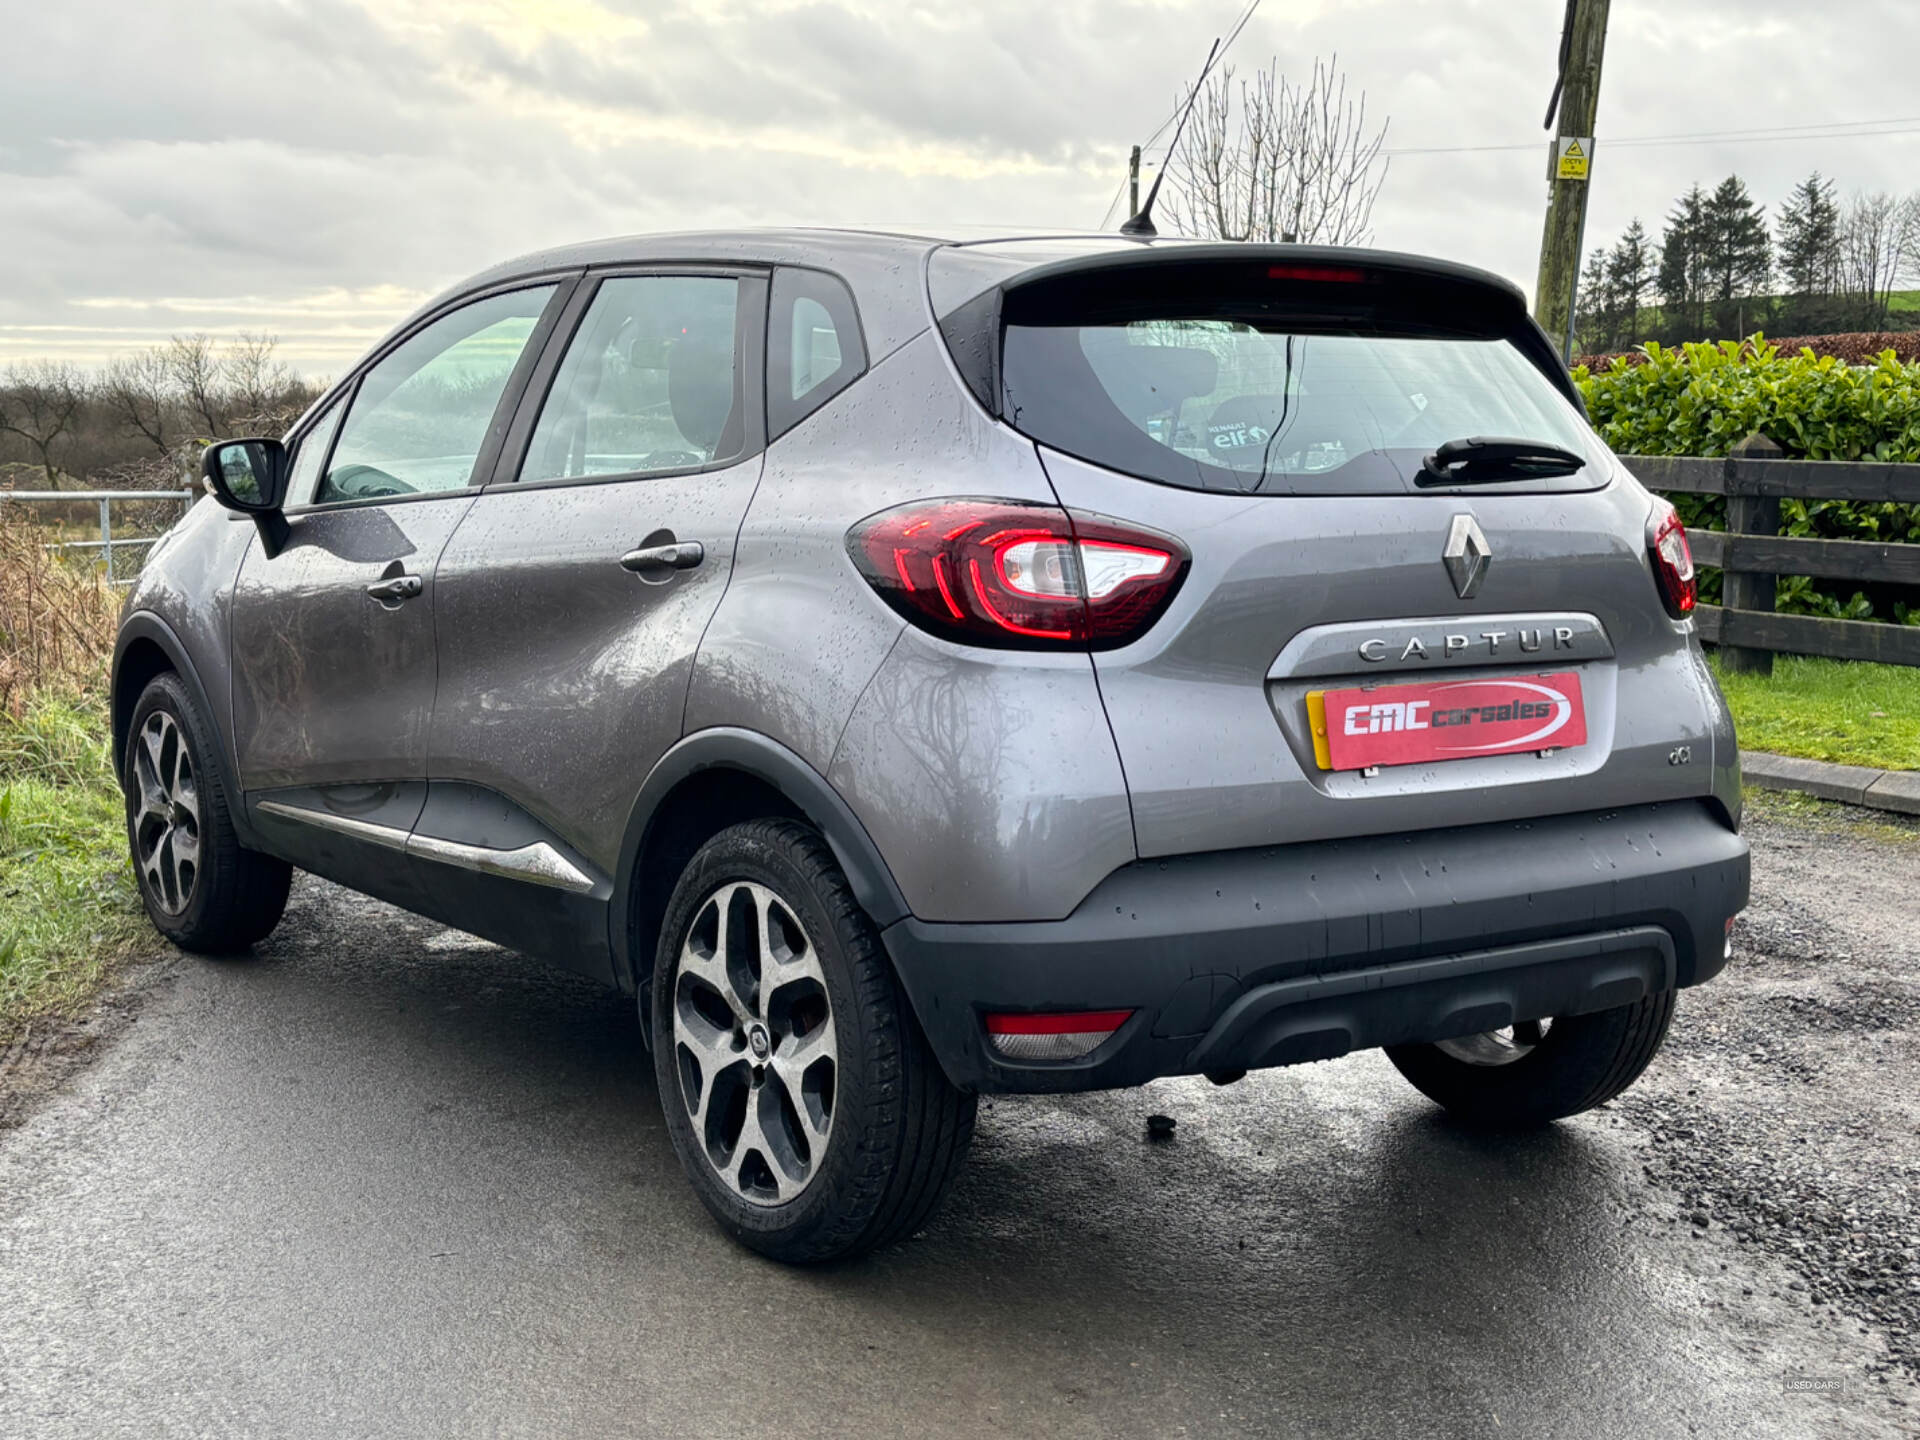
(1133, 183)
(1582, 43)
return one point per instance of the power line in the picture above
(1832, 130)
(1225, 45)
(1765, 139)
(1214, 57)
(1790, 129)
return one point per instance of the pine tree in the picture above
(1629, 279)
(1807, 239)
(1682, 278)
(1737, 257)
(1595, 310)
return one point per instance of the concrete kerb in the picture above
(1895, 790)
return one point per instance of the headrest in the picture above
(1145, 379)
(700, 389)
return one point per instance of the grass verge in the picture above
(1846, 711)
(68, 909)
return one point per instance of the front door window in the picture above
(420, 417)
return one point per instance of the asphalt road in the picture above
(385, 1180)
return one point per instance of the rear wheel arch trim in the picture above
(753, 755)
(145, 627)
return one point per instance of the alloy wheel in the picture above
(754, 1043)
(166, 821)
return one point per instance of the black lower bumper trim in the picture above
(1319, 1017)
(1243, 959)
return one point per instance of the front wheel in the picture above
(801, 1097)
(202, 889)
(1537, 1071)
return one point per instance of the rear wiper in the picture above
(1489, 460)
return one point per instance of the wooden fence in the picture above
(1752, 552)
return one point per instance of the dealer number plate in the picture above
(1445, 720)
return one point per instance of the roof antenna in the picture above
(1142, 224)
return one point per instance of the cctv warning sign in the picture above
(1571, 154)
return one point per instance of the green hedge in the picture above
(1703, 399)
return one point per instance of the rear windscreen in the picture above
(1270, 402)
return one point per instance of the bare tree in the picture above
(140, 421)
(257, 384)
(1879, 247)
(40, 403)
(1278, 161)
(195, 367)
(137, 390)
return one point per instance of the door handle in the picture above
(656, 563)
(400, 587)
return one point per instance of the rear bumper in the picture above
(1249, 958)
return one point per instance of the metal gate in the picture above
(107, 545)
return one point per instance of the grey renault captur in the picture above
(915, 669)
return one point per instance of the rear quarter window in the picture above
(814, 345)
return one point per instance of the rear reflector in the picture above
(1060, 1036)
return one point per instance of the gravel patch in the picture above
(1784, 1113)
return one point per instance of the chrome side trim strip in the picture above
(366, 830)
(538, 863)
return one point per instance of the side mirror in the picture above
(250, 476)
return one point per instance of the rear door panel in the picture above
(563, 675)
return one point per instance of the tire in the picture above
(203, 890)
(1499, 1083)
(857, 1132)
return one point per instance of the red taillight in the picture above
(1062, 1035)
(1672, 559)
(1019, 576)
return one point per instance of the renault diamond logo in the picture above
(1467, 555)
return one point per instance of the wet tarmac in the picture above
(386, 1180)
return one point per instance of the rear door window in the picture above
(1266, 402)
(651, 384)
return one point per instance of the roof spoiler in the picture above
(972, 328)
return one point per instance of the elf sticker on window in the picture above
(1236, 437)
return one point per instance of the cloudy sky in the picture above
(314, 168)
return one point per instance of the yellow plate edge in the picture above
(1317, 718)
